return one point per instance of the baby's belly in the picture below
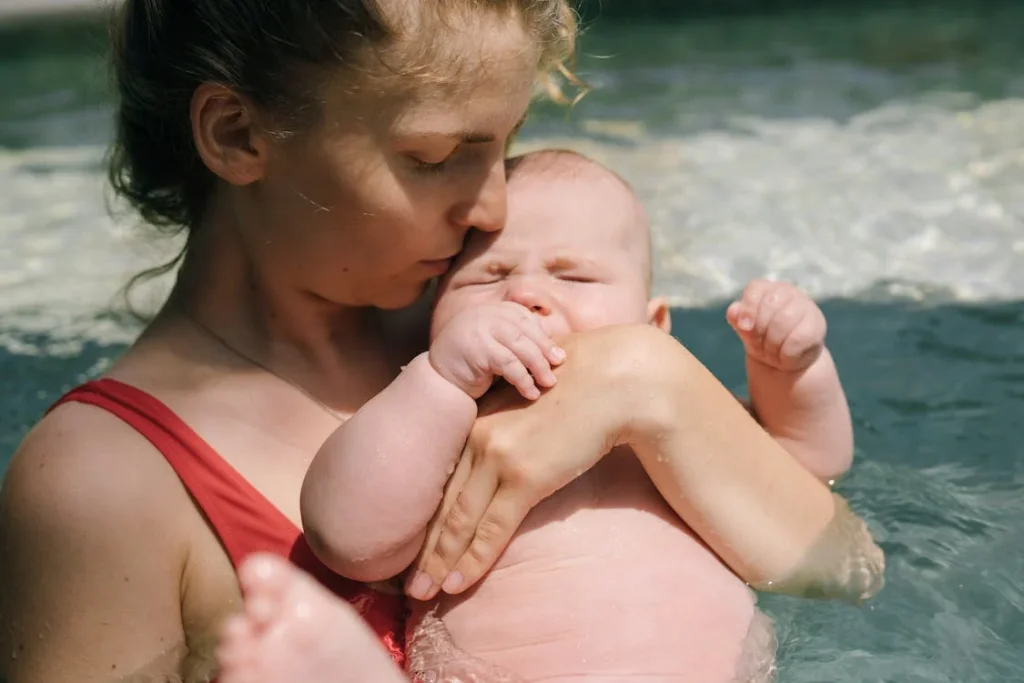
(603, 582)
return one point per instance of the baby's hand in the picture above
(778, 324)
(492, 340)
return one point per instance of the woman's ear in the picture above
(226, 136)
(659, 315)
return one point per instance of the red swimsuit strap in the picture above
(242, 517)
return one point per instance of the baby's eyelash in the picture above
(571, 277)
(477, 282)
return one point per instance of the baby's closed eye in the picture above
(476, 281)
(579, 278)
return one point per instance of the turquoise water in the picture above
(937, 392)
(876, 158)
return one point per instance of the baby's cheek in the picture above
(597, 313)
(453, 302)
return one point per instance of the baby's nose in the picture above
(530, 296)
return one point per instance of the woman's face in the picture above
(376, 200)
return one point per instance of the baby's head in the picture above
(575, 249)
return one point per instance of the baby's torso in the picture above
(604, 582)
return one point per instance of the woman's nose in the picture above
(485, 205)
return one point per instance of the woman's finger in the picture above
(457, 529)
(418, 583)
(497, 526)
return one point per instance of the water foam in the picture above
(912, 199)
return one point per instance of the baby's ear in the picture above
(658, 314)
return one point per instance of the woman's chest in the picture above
(268, 458)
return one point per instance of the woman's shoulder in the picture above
(88, 514)
(83, 472)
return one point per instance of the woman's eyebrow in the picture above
(473, 137)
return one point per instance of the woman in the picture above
(326, 159)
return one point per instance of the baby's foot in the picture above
(294, 630)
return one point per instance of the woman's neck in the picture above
(333, 353)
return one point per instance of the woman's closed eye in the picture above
(432, 156)
(463, 156)
(426, 165)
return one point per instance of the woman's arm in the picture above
(731, 483)
(767, 516)
(90, 559)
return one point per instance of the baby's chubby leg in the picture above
(434, 658)
(294, 630)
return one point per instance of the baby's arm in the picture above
(376, 482)
(795, 392)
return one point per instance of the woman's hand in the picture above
(520, 452)
(769, 519)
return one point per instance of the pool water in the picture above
(875, 157)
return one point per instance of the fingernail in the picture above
(421, 585)
(745, 323)
(453, 582)
(558, 354)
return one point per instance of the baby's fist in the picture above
(779, 325)
(496, 340)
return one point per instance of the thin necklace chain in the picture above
(263, 366)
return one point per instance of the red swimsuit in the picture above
(243, 519)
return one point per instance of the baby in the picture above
(603, 581)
